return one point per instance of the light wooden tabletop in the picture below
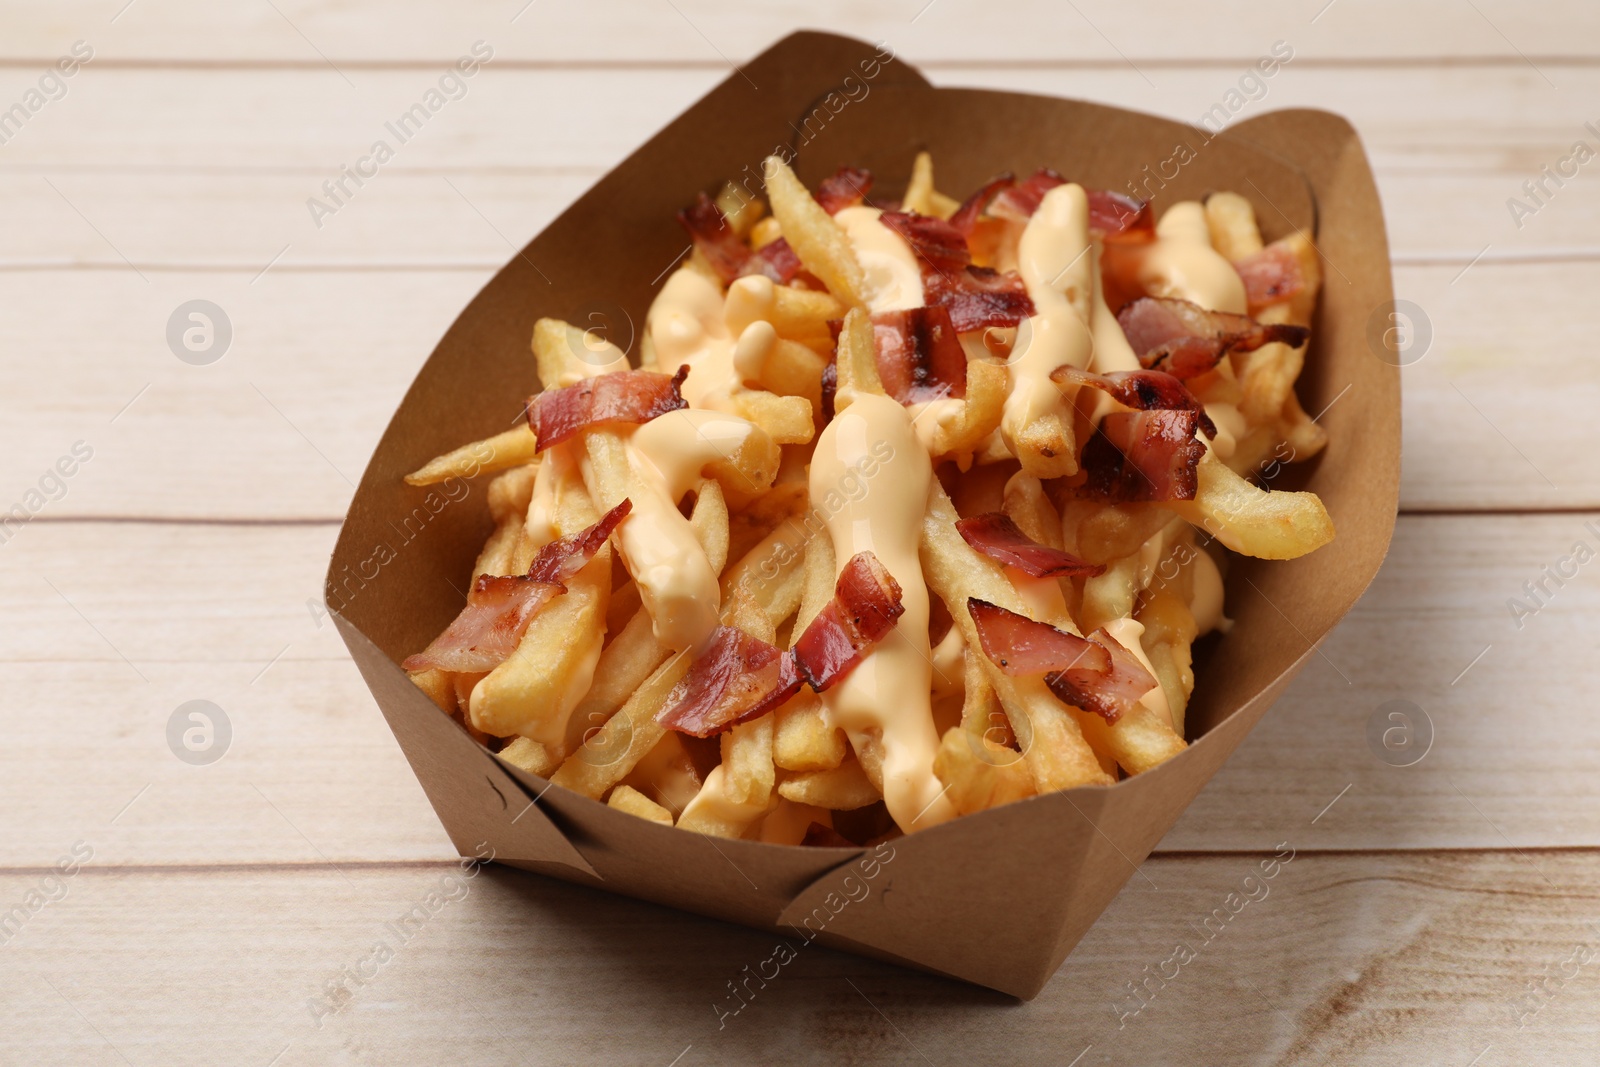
(1443, 912)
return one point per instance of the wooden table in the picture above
(1444, 912)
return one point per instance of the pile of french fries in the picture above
(578, 701)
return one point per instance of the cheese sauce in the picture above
(894, 280)
(689, 325)
(1182, 265)
(1057, 265)
(889, 690)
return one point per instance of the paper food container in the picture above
(998, 898)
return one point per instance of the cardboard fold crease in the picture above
(999, 898)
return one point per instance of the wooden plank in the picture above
(710, 31)
(221, 613)
(455, 218)
(1337, 959)
(320, 359)
(1482, 115)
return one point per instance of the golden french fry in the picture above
(512, 448)
(844, 788)
(739, 207)
(1047, 447)
(1109, 532)
(747, 761)
(1251, 520)
(805, 738)
(1231, 222)
(793, 370)
(764, 232)
(858, 360)
(565, 354)
(1027, 506)
(1144, 735)
(628, 799)
(1057, 755)
(819, 242)
(972, 420)
(610, 752)
(510, 493)
(439, 686)
(819, 578)
(1112, 595)
(802, 316)
(530, 756)
(666, 774)
(978, 774)
(534, 691)
(775, 512)
(921, 196)
(498, 551)
(709, 521)
(1169, 633)
(788, 420)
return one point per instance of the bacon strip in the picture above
(865, 605)
(1019, 645)
(976, 297)
(1186, 340)
(1108, 695)
(971, 209)
(1120, 219)
(1142, 390)
(621, 396)
(736, 679)
(716, 240)
(500, 607)
(846, 187)
(1002, 540)
(1143, 456)
(1018, 202)
(775, 259)
(1093, 674)
(918, 354)
(1271, 275)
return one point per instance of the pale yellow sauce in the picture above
(1181, 264)
(1127, 633)
(894, 278)
(889, 690)
(1056, 261)
(1205, 603)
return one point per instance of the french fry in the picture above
(1251, 520)
(1057, 755)
(628, 799)
(802, 316)
(1144, 735)
(709, 521)
(978, 774)
(533, 691)
(788, 420)
(764, 232)
(921, 196)
(741, 210)
(818, 241)
(1231, 222)
(1110, 532)
(610, 752)
(530, 756)
(1112, 595)
(498, 551)
(775, 512)
(666, 774)
(805, 737)
(978, 414)
(1024, 501)
(793, 370)
(1169, 633)
(565, 354)
(844, 788)
(439, 686)
(511, 448)
(747, 761)
(818, 581)
(857, 360)
(510, 493)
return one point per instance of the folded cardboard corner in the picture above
(1001, 897)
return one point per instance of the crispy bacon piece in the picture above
(1143, 456)
(976, 297)
(1108, 695)
(846, 187)
(918, 354)
(1186, 340)
(865, 605)
(1018, 202)
(1093, 674)
(737, 678)
(715, 238)
(499, 607)
(1019, 645)
(830, 386)
(621, 396)
(775, 259)
(1002, 540)
(971, 209)
(1142, 390)
(938, 245)
(1120, 219)
(1271, 275)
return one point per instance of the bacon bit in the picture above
(736, 679)
(918, 354)
(1020, 646)
(500, 607)
(865, 605)
(1120, 219)
(1142, 390)
(715, 239)
(1109, 695)
(1271, 276)
(621, 396)
(1020, 201)
(830, 386)
(938, 245)
(1143, 456)
(820, 836)
(1186, 340)
(967, 215)
(847, 187)
(1002, 540)
(979, 298)
(775, 259)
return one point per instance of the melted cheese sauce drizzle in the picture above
(723, 342)
(889, 690)
(894, 279)
(1181, 264)
(1057, 264)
